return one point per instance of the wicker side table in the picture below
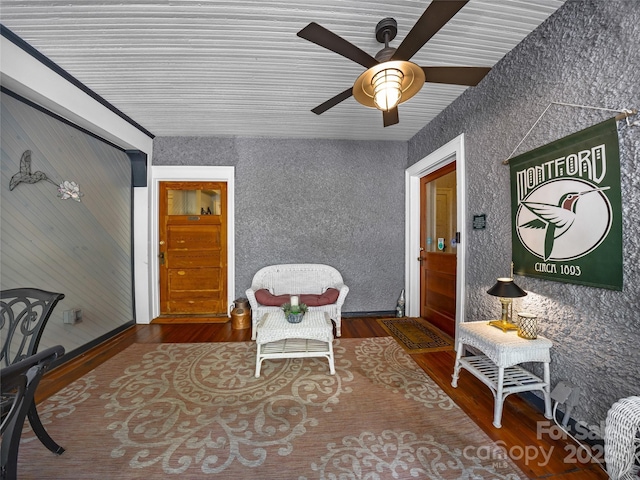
(277, 338)
(498, 366)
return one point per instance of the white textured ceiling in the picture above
(231, 67)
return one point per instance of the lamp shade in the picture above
(506, 288)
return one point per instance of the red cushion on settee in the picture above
(327, 298)
(266, 298)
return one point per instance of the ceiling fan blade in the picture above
(437, 14)
(329, 40)
(455, 75)
(332, 102)
(391, 117)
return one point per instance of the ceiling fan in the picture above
(390, 78)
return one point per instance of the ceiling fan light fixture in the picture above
(372, 88)
(407, 79)
(387, 88)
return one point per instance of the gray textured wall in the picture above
(339, 203)
(81, 249)
(587, 53)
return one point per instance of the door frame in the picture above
(186, 174)
(453, 150)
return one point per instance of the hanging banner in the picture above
(567, 210)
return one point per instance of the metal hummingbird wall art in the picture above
(66, 189)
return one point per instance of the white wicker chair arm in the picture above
(251, 296)
(344, 290)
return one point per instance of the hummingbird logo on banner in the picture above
(564, 219)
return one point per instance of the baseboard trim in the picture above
(79, 361)
(168, 319)
(583, 433)
(94, 343)
(378, 313)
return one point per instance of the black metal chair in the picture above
(25, 312)
(18, 387)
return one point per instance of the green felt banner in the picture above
(567, 211)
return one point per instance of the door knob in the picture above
(161, 257)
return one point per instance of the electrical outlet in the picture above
(574, 397)
(71, 317)
(561, 392)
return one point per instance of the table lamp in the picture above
(507, 290)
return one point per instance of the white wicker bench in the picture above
(297, 279)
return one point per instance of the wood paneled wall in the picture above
(82, 249)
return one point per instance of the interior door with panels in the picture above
(193, 249)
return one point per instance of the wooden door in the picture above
(438, 248)
(193, 248)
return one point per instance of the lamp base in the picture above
(502, 325)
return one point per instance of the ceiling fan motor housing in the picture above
(386, 30)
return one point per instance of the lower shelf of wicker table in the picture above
(295, 348)
(515, 379)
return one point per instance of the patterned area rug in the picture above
(416, 335)
(197, 411)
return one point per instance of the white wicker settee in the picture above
(297, 279)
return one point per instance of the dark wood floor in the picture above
(519, 432)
